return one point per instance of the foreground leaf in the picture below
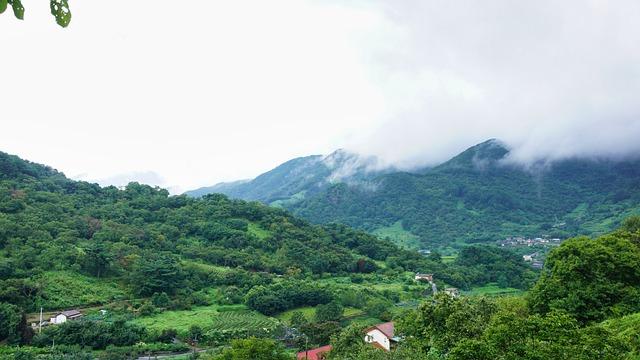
(3, 5)
(60, 9)
(18, 9)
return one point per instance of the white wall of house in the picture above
(376, 335)
(59, 319)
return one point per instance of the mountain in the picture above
(479, 196)
(299, 178)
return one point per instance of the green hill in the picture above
(160, 264)
(479, 196)
(66, 243)
(136, 239)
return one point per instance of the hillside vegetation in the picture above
(166, 266)
(477, 196)
(584, 306)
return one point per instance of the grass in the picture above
(447, 259)
(492, 289)
(310, 311)
(257, 231)
(66, 289)
(399, 236)
(206, 267)
(181, 320)
(307, 311)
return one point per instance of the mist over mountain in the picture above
(482, 194)
(302, 177)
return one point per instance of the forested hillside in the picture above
(585, 306)
(143, 255)
(477, 196)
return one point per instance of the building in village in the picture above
(424, 277)
(451, 291)
(65, 316)
(381, 336)
(314, 354)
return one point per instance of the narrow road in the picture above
(169, 355)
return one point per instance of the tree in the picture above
(156, 272)
(590, 279)
(160, 300)
(298, 319)
(10, 319)
(59, 9)
(378, 308)
(330, 312)
(446, 321)
(195, 334)
(253, 349)
(97, 260)
(320, 334)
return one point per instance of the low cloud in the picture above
(553, 80)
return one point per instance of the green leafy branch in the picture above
(59, 9)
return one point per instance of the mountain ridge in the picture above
(479, 195)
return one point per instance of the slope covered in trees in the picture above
(66, 244)
(478, 196)
(584, 306)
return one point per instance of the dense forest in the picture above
(476, 196)
(142, 254)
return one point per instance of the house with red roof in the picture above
(314, 354)
(381, 336)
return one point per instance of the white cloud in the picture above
(204, 91)
(552, 79)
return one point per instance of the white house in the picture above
(424, 277)
(381, 336)
(65, 316)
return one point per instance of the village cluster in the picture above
(522, 241)
(542, 245)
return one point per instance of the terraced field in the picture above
(240, 324)
(238, 320)
(218, 322)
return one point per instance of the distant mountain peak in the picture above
(479, 156)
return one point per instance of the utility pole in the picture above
(40, 323)
(195, 344)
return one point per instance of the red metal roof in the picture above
(386, 328)
(314, 354)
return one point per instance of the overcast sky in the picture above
(186, 94)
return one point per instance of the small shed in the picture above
(65, 316)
